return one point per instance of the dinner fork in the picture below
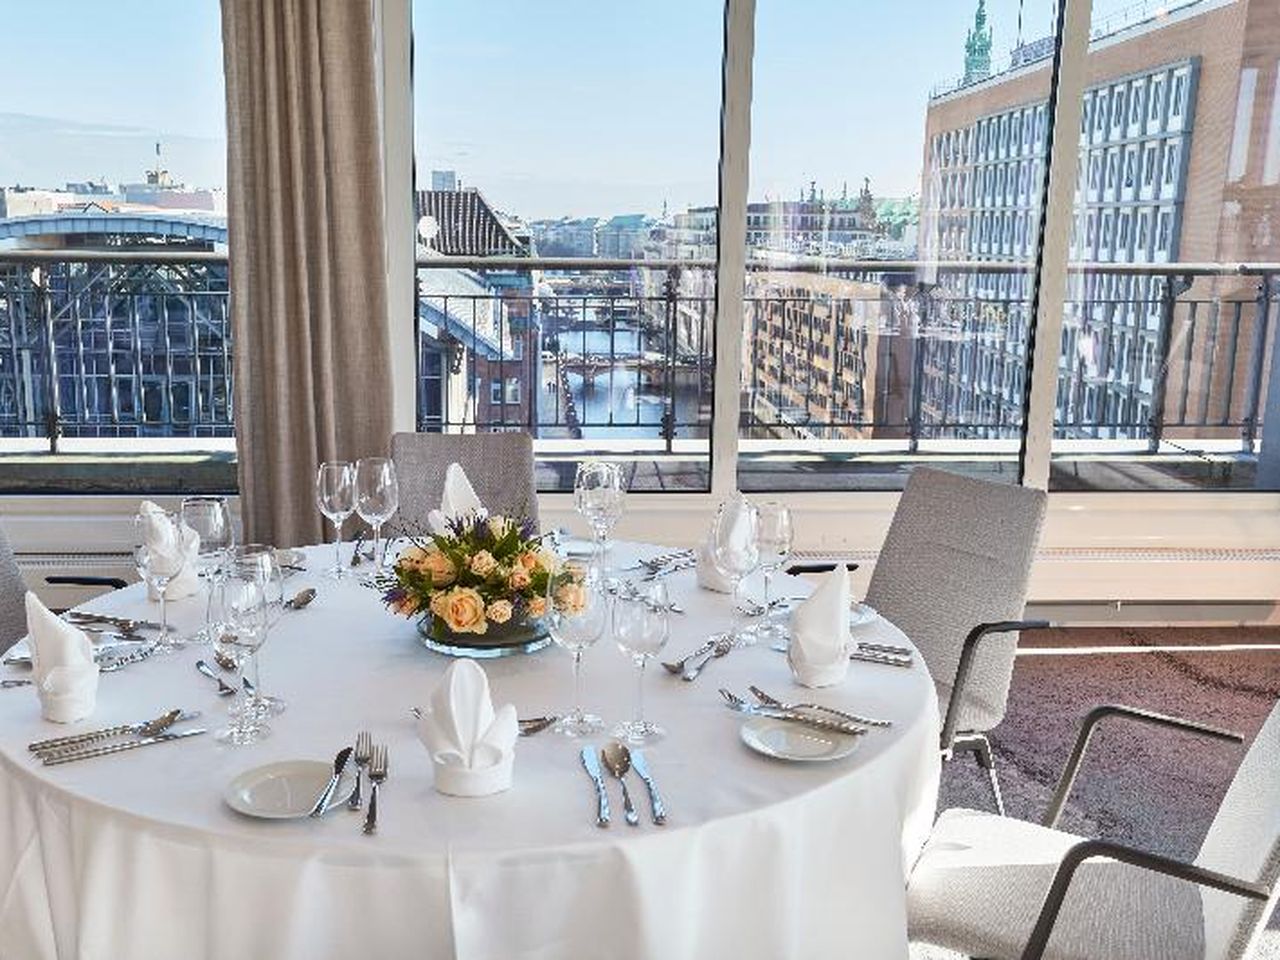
(722, 647)
(377, 774)
(361, 755)
(769, 701)
(735, 702)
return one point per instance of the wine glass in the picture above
(336, 498)
(774, 538)
(246, 600)
(377, 498)
(598, 494)
(157, 571)
(736, 553)
(641, 625)
(210, 518)
(266, 562)
(577, 613)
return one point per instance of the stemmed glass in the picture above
(267, 562)
(598, 494)
(736, 552)
(641, 625)
(248, 591)
(577, 613)
(157, 572)
(377, 498)
(336, 498)
(774, 538)
(210, 518)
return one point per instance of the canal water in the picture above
(628, 398)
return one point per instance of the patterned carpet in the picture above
(1149, 788)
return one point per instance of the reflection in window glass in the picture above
(890, 236)
(1167, 381)
(548, 132)
(122, 369)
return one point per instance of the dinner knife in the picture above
(592, 764)
(889, 659)
(55, 759)
(127, 624)
(339, 765)
(655, 799)
(151, 727)
(804, 719)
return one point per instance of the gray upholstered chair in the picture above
(13, 612)
(499, 466)
(1001, 888)
(952, 575)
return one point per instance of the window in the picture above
(593, 357)
(131, 373)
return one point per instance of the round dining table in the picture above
(136, 855)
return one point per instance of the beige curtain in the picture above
(308, 278)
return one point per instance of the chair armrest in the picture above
(798, 568)
(965, 666)
(1095, 717)
(114, 583)
(1092, 849)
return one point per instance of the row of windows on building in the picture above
(1144, 170)
(1152, 102)
(1124, 234)
(1014, 133)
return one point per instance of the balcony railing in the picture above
(840, 358)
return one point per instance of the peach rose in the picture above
(537, 606)
(462, 610)
(571, 597)
(547, 560)
(499, 611)
(519, 578)
(483, 564)
(438, 565)
(528, 561)
(436, 605)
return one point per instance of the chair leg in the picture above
(987, 761)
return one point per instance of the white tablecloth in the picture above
(135, 856)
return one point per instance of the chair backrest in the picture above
(1244, 842)
(499, 466)
(958, 554)
(13, 592)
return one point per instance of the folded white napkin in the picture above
(472, 748)
(458, 500)
(820, 641)
(66, 677)
(173, 546)
(738, 515)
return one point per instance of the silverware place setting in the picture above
(734, 702)
(767, 701)
(677, 666)
(661, 560)
(619, 760)
(724, 643)
(361, 756)
(83, 618)
(97, 743)
(224, 689)
(109, 659)
(324, 801)
(300, 599)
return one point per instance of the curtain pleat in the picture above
(306, 247)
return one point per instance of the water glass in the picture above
(210, 518)
(264, 559)
(774, 540)
(377, 499)
(641, 626)
(577, 614)
(336, 498)
(157, 572)
(736, 552)
(246, 599)
(598, 494)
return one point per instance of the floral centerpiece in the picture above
(481, 586)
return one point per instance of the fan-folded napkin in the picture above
(738, 517)
(66, 676)
(173, 546)
(820, 641)
(458, 500)
(472, 748)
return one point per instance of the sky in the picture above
(551, 107)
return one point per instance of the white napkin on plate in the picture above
(458, 500)
(66, 676)
(710, 577)
(472, 748)
(173, 545)
(820, 641)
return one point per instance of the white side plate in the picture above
(784, 740)
(285, 790)
(862, 615)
